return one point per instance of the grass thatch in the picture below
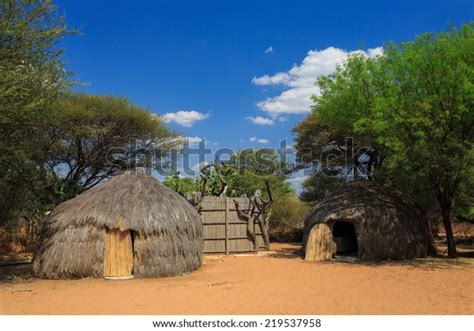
(388, 224)
(167, 230)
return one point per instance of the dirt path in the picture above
(279, 284)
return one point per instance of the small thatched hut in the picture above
(130, 225)
(367, 220)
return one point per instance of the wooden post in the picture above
(255, 222)
(226, 201)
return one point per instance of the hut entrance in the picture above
(344, 235)
(118, 254)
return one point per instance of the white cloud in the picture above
(277, 79)
(269, 50)
(197, 140)
(259, 120)
(193, 140)
(300, 80)
(373, 52)
(184, 118)
(259, 140)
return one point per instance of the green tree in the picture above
(246, 170)
(181, 185)
(92, 137)
(416, 104)
(287, 215)
(425, 115)
(32, 75)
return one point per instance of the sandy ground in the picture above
(279, 283)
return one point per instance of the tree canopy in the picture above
(55, 143)
(414, 106)
(32, 75)
(243, 173)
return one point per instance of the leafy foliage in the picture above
(181, 185)
(414, 104)
(288, 211)
(53, 143)
(32, 75)
(93, 137)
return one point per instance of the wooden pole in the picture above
(226, 215)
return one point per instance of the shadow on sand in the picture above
(16, 272)
(438, 262)
(288, 251)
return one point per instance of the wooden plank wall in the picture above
(224, 232)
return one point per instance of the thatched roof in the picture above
(388, 224)
(167, 229)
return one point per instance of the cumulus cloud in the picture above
(184, 118)
(278, 78)
(253, 139)
(300, 80)
(269, 50)
(373, 52)
(259, 120)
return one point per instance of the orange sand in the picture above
(281, 283)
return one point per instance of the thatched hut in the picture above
(130, 225)
(369, 221)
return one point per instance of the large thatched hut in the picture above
(369, 221)
(130, 225)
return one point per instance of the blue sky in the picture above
(229, 63)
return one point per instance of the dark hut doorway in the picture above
(344, 235)
(118, 254)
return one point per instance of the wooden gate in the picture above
(118, 254)
(223, 231)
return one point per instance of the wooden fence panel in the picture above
(223, 231)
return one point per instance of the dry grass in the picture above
(388, 224)
(167, 230)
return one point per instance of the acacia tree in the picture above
(54, 143)
(92, 137)
(416, 102)
(31, 77)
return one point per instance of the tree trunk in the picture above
(251, 234)
(264, 222)
(266, 238)
(452, 252)
(445, 200)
